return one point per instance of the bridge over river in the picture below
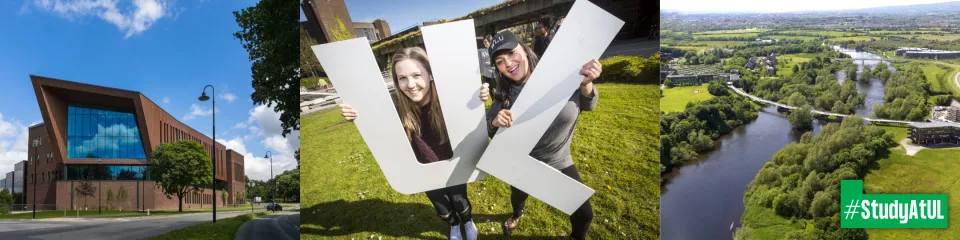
(758, 99)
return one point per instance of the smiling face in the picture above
(513, 63)
(412, 80)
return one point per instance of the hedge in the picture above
(630, 69)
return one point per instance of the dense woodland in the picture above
(802, 181)
(684, 135)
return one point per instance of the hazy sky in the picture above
(704, 6)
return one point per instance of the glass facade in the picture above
(107, 172)
(97, 132)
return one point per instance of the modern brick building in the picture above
(105, 135)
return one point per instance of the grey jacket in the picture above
(554, 146)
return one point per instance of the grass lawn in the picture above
(937, 76)
(225, 229)
(766, 224)
(790, 60)
(855, 39)
(676, 99)
(930, 171)
(616, 149)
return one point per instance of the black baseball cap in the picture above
(503, 40)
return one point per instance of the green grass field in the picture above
(676, 99)
(818, 33)
(616, 149)
(225, 229)
(939, 76)
(855, 39)
(782, 37)
(945, 37)
(789, 60)
(930, 171)
(742, 34)
(115, 213)
(731, 31)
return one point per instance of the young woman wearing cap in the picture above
(515, 62)
(422, 119)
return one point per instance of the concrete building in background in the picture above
(103, 135)
(322, 18)
(366, 30)
(382, 28)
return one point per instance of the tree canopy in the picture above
(181, 167)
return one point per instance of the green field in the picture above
(789, 60)
(930, 171)
(676, 99)
(615, 148)
(818, 33)
(225, 229)
(945, 37)
(855, 39)
(782, 37)
(938, 76)
(745, 34)
(731, 31)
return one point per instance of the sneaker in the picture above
(455, 233)
(471, 230)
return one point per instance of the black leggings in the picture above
(451, 202)
(580, 219)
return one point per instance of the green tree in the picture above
(801, 118)
(267, 32)
(122, 196)
(109, 198)
(288, 185)
(179, 168)
(668, 83)
(718, 88)
(223, 197)
(86, 189)
(6, 199)
(309, 65)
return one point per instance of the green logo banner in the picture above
(860, 210)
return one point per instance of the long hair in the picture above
(408, 109)
(503, 83)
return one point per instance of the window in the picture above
(97, 132)
(107, 172)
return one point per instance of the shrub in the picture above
(630, 69)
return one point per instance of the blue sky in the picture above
(765, 6)
(404, 14)
(166, 49)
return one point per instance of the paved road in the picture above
(139, 228)
(280, 226)
(641, 46)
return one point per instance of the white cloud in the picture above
(197, 111)
(13, 144)
(134, 21)
(228, 96)
(165, 100)
(264, 124)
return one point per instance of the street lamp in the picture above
(100, 188)
(36, 143)
(274, 195)
(203, 97)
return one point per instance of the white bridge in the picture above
(757, 99)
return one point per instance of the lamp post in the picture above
(274, 195)
(203, 97)
(36, 143)
(100, 188)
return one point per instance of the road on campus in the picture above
(131, 228)
(280, 226)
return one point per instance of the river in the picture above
(704, 199)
